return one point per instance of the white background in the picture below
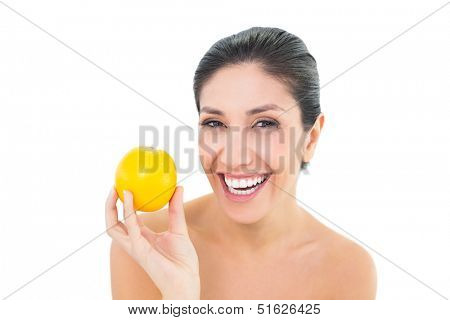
(380, 172)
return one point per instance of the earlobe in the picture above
(312, 137)
(307, 146)
(300, 149)
(305, 168)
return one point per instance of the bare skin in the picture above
(310, 262)
(261, 247)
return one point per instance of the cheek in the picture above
(273, 150)
(209, 146)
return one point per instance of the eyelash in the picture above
(268, 123)
(206, 123)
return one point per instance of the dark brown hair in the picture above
(280, 53)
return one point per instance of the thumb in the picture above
(177, 219)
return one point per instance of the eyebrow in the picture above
(211, 110)
(265, 107)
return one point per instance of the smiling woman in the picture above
(257, 95)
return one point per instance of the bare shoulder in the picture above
(349, 270)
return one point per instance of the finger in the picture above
(177, 220)
(129, 215)
(140, 220)
(112, 223)
(146, 232)
(111, 212)
(115, 229)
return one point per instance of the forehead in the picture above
(242, 87)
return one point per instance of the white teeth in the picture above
(234, 184)
(244, 183)
(241, 192)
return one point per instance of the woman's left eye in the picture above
(266, 124)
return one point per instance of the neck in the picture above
(274, 229)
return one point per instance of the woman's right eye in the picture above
(212, 123)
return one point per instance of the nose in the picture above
(236, 154)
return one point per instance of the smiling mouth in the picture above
(242, 188)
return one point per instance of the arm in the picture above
(128, 280)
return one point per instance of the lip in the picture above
(240, 197)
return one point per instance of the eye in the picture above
(212, 123)
(266, 123)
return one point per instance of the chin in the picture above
(243, 197)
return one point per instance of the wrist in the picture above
(187, 291)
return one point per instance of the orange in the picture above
(151, 176)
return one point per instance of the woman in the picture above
(257, 94)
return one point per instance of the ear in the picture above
(312, 138)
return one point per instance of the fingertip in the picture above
(177, 220)
(113, 192)
(110, 192)
(110, 199)
(178, 193)
(127, 194)
(126, 198)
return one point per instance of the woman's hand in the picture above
(168, 257)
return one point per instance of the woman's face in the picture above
(249, 148)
